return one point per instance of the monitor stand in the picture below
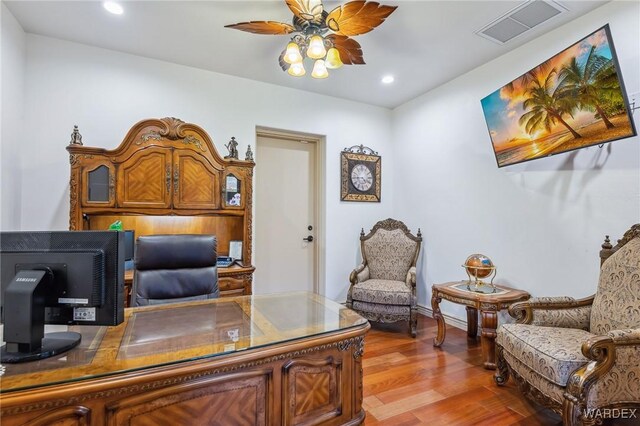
(24, 321)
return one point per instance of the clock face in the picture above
(361, 177)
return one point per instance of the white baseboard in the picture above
(448, 319)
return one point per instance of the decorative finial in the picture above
(607, 250)
(419, 233)
(249, 155)
(362, 233)
(76, 137)
(232, 146)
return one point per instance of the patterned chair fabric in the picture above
(576, 355)
(552, 352)
(386, 292)
(380, 312)
(617, 302)
(390, 254)
(383, 286)
(533, 380)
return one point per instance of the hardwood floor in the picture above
(409, 382)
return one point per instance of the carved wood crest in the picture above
(173, 130)
(390, 225)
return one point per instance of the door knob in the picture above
(308, 239)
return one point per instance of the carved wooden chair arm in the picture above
(565, 312)
(615, 352)
(361, 273)
(411, 277)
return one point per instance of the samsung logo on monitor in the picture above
(26, 280)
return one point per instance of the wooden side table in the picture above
(487, 299)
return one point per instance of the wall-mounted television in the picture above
(573, 100)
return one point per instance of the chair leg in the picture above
(413, 322)
(573, 414)
(569, 413)
(501, 375)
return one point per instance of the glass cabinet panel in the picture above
(232, 191)
(99, 184)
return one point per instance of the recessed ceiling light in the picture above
(113, 7)
(388, 79)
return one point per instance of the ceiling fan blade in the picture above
(357, 17)
(350, 50)
(309, 10)
(285, 66)
(263, 27)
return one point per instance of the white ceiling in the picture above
(423, 43)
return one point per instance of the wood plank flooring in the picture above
(409, 382)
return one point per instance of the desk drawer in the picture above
(230, 284)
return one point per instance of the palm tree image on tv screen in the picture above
(573, 100)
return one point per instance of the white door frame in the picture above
(320, 202)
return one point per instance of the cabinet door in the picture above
(195, 182)
(144, 181)
(232, 190)
(99, 185)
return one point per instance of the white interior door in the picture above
(285, 209)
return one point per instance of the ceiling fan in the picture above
(320, 35)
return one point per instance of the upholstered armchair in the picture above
(581, 358)
(383, 287)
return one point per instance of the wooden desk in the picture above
(257, 360)
(489, 302)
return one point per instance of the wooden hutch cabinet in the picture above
(166, 177)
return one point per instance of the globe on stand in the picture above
(479, 266)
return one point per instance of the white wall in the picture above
(12, 124)
(106, 92)
(541, 222)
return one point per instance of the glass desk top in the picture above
(152, 336)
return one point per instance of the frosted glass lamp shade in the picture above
(333, 59)
(292, 55)
(297, 70)
(316, 48)
(319, 70)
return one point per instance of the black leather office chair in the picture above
(174, 268)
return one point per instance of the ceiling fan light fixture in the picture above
(315, 30)
(319, 70)
(333, 59)
(297, 69)
(293, 54)
(316, 49)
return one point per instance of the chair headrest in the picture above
(175, 251)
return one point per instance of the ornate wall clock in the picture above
(360, 174)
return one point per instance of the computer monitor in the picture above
(63, 277)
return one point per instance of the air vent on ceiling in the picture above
(520, 20)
